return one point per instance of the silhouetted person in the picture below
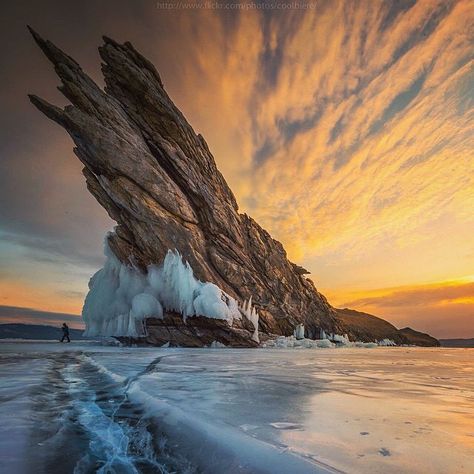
(65, 329)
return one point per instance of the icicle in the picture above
(299, 331)
(252, 315)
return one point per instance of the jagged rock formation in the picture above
(158, 180)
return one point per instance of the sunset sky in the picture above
(346, 130)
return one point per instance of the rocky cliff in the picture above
(158, 180)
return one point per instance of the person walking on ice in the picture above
(65, 329)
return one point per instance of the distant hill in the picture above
(457, 342)
(367, 327)
(419, 338)
(36, 331)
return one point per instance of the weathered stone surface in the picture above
(158, 180)
(196, 331)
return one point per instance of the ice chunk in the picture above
(324, 343)
(299, 331)
(283, 425)
(209, 303)
(145, 305)
(387, 342)
(217, 345)
(344, 340)
(285, 342)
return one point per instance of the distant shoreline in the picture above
(37, 332)
(457, 342)
(16, 332)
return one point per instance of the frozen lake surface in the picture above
(87, 408)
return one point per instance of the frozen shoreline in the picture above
(239, 410)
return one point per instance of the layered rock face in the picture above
(196, 331)
(158, 180)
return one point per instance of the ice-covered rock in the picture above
(251, 314)
(121, 298)
(158, 180)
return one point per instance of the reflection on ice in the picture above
(225, 410)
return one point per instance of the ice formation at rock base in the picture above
(297, 341)
(299, 331)
(289, 342)
(121, 297)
